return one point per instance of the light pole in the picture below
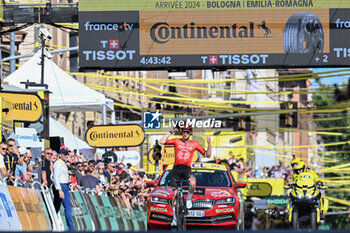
(44, 33)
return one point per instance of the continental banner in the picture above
(115, 135)
(213, 34)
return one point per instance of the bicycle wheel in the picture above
(179, 211)
(184, 213)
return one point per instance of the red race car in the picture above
(216, 201)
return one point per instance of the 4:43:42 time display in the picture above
(155, 60)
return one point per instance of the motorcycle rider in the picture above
(294, 162)
(299, 168)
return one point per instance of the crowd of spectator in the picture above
(240, 166)
(107, 175)
(270, 219)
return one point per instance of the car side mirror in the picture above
(286, 187)
(323, 187)
(151, 183)
(240, 184)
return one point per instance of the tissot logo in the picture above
(162, 32)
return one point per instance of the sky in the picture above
(343, 76)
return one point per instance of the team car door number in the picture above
(194, 213)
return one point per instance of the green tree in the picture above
(326, 101)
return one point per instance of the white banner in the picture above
(28, 137)
(130, 156)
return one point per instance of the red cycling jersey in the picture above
(184, 150)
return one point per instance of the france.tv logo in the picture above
(151, 120)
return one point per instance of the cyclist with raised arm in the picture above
(184, 151)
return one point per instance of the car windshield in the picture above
(209, 178)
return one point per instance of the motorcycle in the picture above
(306, 204)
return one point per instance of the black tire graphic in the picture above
(303, 33)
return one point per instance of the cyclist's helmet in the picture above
(295, 161)
(187, 128)
(299, 167)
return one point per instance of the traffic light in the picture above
(241, 123)
(289, 119)
(157, 152)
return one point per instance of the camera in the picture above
(72, 168)
(141, 174)
(45, 32)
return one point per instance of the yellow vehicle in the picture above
(306, 202)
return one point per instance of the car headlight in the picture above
(300, 196)
(227, 201)
(155, 200)
(309, 196)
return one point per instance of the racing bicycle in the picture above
(180, 208)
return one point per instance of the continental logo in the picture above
(163, 32)
(96, 135)
(26, 107)
(115, 135)
(31, 106)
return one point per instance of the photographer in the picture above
(98, 173)
(110, 157)
(79, 172)
(21, 173)
(33, 165)
(137, 188)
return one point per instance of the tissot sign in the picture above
(115, 135)
(151, 34)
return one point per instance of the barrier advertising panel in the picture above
(10, 210)
(117, 212)
(102, 213)
(89, 225)
(33, 198)
(56, 220)
(183, 34)
(98, 220)
(31, 211)
(108, 209)
(77, 213)
(44, 208)
(20, 208)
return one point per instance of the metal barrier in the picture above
(32, 209)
